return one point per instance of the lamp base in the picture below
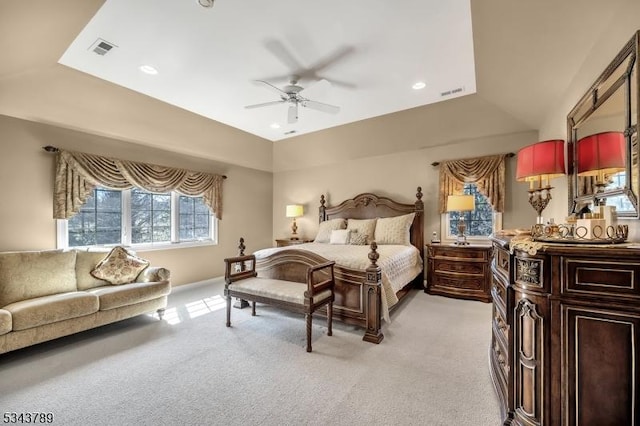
(461, 241)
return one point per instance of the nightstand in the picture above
(459, 271)
(289, 242)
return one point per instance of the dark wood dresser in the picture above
(566, 328)
(459, 271)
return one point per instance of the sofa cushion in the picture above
(119, 267)
(112, 297)
(28, 274)
(86, 261)
(5, 322)
(49, 309)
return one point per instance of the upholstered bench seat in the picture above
(116, 296)
(286, 291)
(49, 309)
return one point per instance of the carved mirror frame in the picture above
(613, 98)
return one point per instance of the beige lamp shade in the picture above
(460, 203)
(294, 210)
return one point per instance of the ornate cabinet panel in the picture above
(459, 271)
(568, 318)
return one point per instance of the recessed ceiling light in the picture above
(275, 126)
(205, 3)
(419, 85)
(148, 69)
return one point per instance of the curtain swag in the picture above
(488, 173)
(77, 174)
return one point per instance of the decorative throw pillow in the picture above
(339, 236)
(394, 230)
(364, 227)
(119, 267)
(358, 239)
(324, 231)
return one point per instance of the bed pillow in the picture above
(394, 230)
(119, 267)
(324, 231)
(364, 227)
(339, 236)
(358, 239)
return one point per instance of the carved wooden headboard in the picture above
(370, 206)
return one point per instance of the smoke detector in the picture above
(205, 3)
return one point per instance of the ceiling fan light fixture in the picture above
(205, 3)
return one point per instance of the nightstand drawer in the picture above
(287, 242)
(467, 268)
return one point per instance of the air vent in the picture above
(290, 132)
(101, 47)
(452, 91)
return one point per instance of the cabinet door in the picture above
(600, 370)
(529, 336)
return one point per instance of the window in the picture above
(139, 218)
(480, 222)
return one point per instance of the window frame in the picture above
(62, 230)
(447, 237)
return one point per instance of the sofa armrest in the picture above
(153, 274)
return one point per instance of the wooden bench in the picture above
(241, 281)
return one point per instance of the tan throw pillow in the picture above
(119, 267)
(324, 231)
(358, 239)
(394, 230)
(364, 227)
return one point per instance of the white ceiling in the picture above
(372, 51)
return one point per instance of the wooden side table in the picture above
(285, 242)
(459, 271)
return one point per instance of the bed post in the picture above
(418, 239)
(372, 295)
(241, 304)
(322, 210)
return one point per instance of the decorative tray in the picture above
(571, 234)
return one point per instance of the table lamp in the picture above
(294, 210)
(461, 203)
(536, 163)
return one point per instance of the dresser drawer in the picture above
(601, 278)
(468, 268)
(469, 282)
(482, 254)
(499, 293)
(501, 260)
(500, 327)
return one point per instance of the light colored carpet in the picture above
(431, 368)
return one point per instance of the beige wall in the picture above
(396, 175)
(624, 24)
(26, 174)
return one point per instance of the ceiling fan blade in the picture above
(317, 89)
(332, 58)
(264, 104)
(293, 113)
(331, 109)
(282, 53)
(271, 87)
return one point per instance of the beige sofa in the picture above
(49, 294)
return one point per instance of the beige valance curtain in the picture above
(488, 173)
(77, 174)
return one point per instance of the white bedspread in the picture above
(399, 264)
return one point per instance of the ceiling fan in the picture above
(292, 94)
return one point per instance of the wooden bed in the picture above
(357, 292)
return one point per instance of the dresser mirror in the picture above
(606, 117)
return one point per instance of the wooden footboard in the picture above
(357, 292)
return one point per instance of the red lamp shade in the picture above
(541, 160)
(601, 153)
